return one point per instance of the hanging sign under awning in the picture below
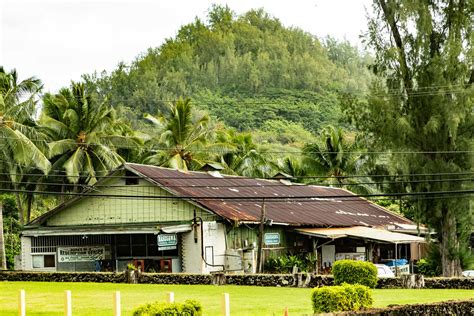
(80, 254)
(167, 241)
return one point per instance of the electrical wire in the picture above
(258, 198)
(455, 89)
(269, 184)
(161, 149)
(227, 176)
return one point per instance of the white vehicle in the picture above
(384, 271)
(468, 273)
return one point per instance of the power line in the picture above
(457, 89)
(161, 149)
(270, 184)
(257, 198)
(436, 86)
(230, 176)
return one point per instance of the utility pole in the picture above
(3, 257)
(260, 239)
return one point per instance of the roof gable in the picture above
(95, 208)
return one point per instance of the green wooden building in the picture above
(167, 220)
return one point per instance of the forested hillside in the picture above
(244, 70)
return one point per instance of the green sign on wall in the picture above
(167, 241)
(271, 239)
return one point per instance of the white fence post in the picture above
(22, 303)
(67, 303)
(117, 307)
(170, 297)
(225, 305)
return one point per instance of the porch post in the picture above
(396, 258)
(315, 249)
(260, 239)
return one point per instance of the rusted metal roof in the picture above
(362, 232)
(240, 199)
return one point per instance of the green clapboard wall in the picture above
(103, 210)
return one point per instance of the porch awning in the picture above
(89, 231)
(108, 230)
(377, 234)
(177, 229)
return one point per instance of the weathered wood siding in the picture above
(237, 235)
(104, 210)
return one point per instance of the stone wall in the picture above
(430, 283)
(175, 278)
(283, 280)
(449, 283)
(441, 308)
(63, 276)
(389, 283)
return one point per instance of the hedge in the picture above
(188, 308)
(439, 308)
(346, 297)
(355, 272)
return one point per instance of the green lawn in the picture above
(47, 298)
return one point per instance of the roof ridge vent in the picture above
(215, 174)
(286, 182)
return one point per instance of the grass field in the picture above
(46, 298)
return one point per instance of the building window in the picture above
(44, 261)
(123, 244)
(131, 178)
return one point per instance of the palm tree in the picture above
(185, 140)
(19, 137)
(21, 146)
(294, 167)
(84, 135)
(246, 159)
(332, 155)
(335, 157)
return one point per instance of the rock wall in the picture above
(284, 280)
(63, 276)
(389, 283)
(449, 283)
(278, 280)
(175, 278)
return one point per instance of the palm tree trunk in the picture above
(62, 197)
(21, 211)
(28, 207)
(3, 257)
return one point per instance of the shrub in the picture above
(285, 263)
(188, 308)
(428, 268)
(355, 272)
(346, 297)
(131, 267)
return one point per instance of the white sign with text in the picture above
(80, 254)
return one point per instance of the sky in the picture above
(59, 40)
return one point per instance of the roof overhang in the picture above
(107, 230)
(409, 229)
(376, 234)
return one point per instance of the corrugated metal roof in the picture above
(361, 232)
(301, 205)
